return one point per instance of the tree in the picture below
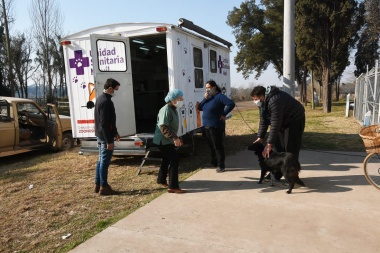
(6, 7)
(58, 65)
(372, 17)
(21, 50)
(47, 22)
(326, 31)
(368, 46)
(366, 53)
(259, 36)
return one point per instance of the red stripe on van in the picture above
(86, 121)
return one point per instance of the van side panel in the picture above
(181, 77)
(185, 63)
(222, 74)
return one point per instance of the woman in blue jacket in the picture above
(215, 107)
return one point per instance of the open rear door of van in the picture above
(111, 58)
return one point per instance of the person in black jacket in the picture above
(286, 117)
(106, 133)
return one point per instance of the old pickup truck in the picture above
(24, 125)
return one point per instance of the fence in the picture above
(367, 95)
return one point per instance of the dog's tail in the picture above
(299, 181)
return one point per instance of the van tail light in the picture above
(65, 42)
(139, 143)
(161, 29)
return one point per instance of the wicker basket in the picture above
(371, 138)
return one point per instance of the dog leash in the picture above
(241, 115)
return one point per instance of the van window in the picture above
(198, 67)
(112, 56)
(213, 65)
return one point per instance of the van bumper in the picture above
(127, 146)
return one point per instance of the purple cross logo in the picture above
(220, 64)
(79, 62)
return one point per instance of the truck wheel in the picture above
(67, 141)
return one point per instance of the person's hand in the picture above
(258, 140)
(117, 137)
(222, 117)
(178, 142)
(206, 95)
(267, 150)
(110, 146)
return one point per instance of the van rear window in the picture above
(198, 67)
(213, 65)
(111, 55)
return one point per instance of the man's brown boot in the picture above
(97, 188)
(106, 190)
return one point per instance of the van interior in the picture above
(150, 79)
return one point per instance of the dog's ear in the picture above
(257, 146)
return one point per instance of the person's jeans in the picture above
(215, 139)
(103, 163)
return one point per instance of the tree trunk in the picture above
(304, 86)
(300, 91)
(326, 90)
(337, 91)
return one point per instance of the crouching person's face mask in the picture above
(258, 102)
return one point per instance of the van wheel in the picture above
(67, 141)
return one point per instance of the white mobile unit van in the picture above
(148, 59)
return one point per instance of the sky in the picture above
(209, 14)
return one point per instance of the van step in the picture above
(147, 158)
(151, 159)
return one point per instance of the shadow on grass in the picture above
(6, 161)
(141, 191)
(201, 157)
(332, 141)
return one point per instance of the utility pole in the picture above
(289, 47)
(8, 48)
(312, 91)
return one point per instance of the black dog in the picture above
(283, 162)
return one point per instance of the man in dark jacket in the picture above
(106, 133)
(286, 117)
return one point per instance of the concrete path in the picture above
(338, 211)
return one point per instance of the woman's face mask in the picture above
(211, 91)
(178, 104)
